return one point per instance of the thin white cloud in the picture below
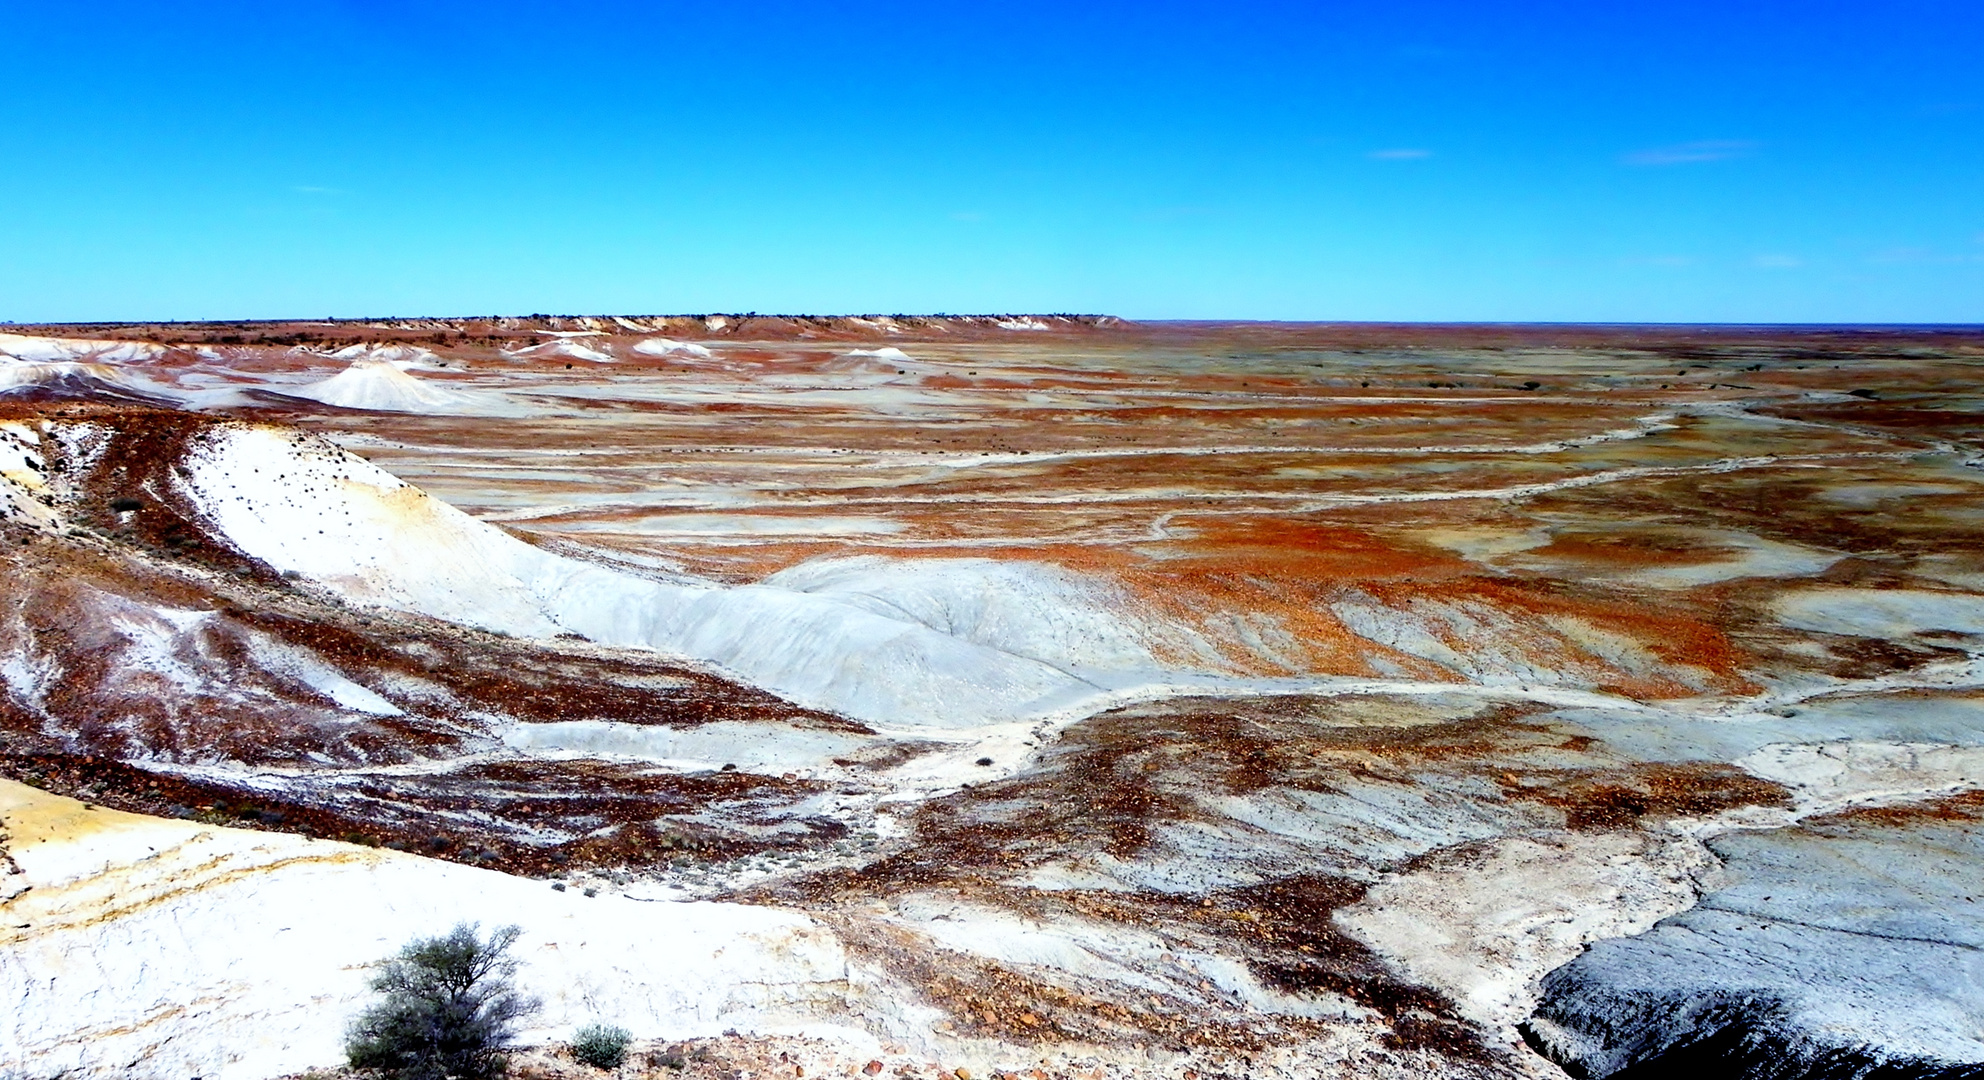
(1922, 255)
(1399, 154)
(1691, 153)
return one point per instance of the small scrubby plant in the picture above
(601, 1046)
(450, 1009)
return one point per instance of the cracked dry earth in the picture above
(1040, 697)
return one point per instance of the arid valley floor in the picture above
(1052, 696)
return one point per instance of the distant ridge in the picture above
(513, 332)
(748, 325)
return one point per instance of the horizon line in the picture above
(1098, 319)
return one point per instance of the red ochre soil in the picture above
(1213, 472)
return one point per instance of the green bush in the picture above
(600, 1046)
(450, 1009)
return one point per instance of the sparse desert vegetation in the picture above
(449, 1009)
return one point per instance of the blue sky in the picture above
(1713, 162)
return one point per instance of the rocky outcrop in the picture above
(1841, 949)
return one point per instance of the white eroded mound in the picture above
(56, 350)
(668, 347)
(566, 348)
(887, 360)
(139, 931)
(381, 386)
(842, 637)
(80, 378)
(400, 356)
